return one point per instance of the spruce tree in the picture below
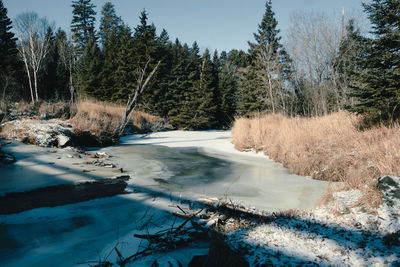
(165, 54)
(377, 87)
(89, 68)
(233, 64)
(178, 95)
(110, 65)
(48, 77)
(262, 85)
(145, 49)
(8, 51)
(83, 22)
(124, 75)
(206, 111)
(109, 22)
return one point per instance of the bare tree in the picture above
(314, 42)
(270, 73)
(33, 46)
(134, 96)
(67, 56)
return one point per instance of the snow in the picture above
(211, 141)
(318, 236)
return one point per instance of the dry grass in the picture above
(326, 148)
(60, 109)
(103, 119)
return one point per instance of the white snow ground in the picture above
(318, 237)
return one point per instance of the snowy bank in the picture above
(339, 233)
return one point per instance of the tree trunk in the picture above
(133, 98)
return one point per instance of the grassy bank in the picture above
(103, 119)
(327, 148)
(93, 123)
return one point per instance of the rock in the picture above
(388, 211)
(102, 155)
(37, 132)
(120, 170)
(63, 140)
(390, 186)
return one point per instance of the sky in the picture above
(214, 24)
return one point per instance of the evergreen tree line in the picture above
(196, 90)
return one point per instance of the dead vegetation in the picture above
(103, 119)
(93, 123)
(326, 148)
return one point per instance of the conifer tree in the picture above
(109, 22)
(377, 87)
(206, 112)
(124, 77)
(8, 51)
(262, 86)
(162, 76)
(82, 25)
(48, 77)
(89, 68)
(110, 65)
(145, 48)
(233, 64)
(178, 95)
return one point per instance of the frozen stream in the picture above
(186, 165)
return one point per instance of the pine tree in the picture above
(109, 22)
(145, 49)
(162, 76)
(124, 77)
(48, 77)
(83, 22)
(262, 86)
(229, 77)
(178, 96)
(110, 65)
(205, 116)
(8, 51)
(377, 87)
(89, 68)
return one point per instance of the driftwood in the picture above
(167, 239)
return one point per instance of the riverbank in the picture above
(329, 148)
(327, 234)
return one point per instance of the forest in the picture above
(326, 65)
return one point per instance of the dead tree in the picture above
(134, 96)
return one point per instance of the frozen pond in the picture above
(193, 173)
(165, 167)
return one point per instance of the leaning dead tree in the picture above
(134, 96)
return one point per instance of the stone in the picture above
(390, 186)
(119, 170)
(63, 141)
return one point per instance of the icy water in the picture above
(192, 173)
(76, 233)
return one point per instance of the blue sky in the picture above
(214, 24)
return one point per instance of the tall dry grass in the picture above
(327, 148)
(103, 119)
